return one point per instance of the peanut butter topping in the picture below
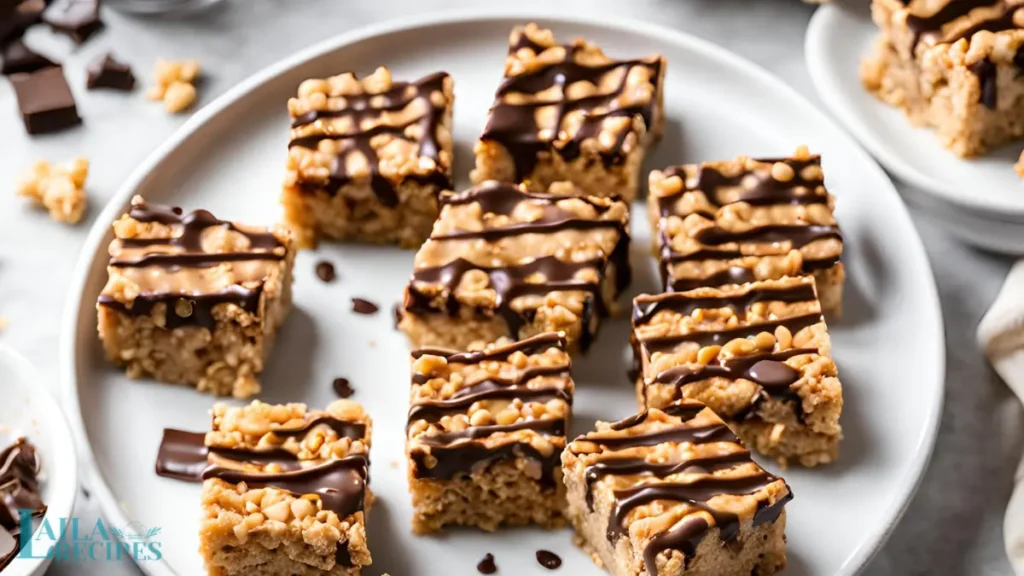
(186, 264)
(673, 475)
(504, 401)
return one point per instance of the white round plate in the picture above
(838, 36)
(27, 409)
(230, 157)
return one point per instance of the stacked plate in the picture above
(980, 200)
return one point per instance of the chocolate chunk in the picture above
(79, 19)
(109, 73)
(361, 306)
(343, 388)
(17, 16)
(45, 101)
(548, 559)
(325, 271)
(17, 58)
(487, 566)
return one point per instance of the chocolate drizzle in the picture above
(340, 483)
(715, 473)
(512, 282)
(644, 309)
(793, 324)
(363, 108)
(514, 125)
(759, 188)
(185, 250)
(455, 452)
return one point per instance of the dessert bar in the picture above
(285, 490)
(368, 158)
(954, 65)
(567, 112)
(486, 429)
(673, 493)
(194, 300)
(742, 220)
(502, 261)
(758, 354)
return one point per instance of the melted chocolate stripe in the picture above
(766, 370)
(202, 305)
(766, 191)
(546, 427)
(638, 466)
(676, 434)
(192, 260)
(433, 410)
(696, 492)
(684, 304)
(451, 462)
(393, 100)
(533, 345)
(794, 325)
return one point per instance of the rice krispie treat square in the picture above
(758, 354)
(736, 221)
(286, 491)
(567, 112)
(194, 300)
(486, 430)
(674, 493)
(502, 261)
(954, 65)
(367, 158)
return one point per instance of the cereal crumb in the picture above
(394, 464)
(1019, 166)
(174, 84)
(3, 322)
(58, 188)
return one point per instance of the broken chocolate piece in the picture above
(343, 388)
(79, 19)
(109, 73)
(17, 16)
(45, 101)
(17, 58)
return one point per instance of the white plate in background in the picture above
(27, 409)
(229, 158)
(838, 36)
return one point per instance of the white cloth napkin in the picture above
(1001, 337)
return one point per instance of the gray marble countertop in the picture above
(953, 526)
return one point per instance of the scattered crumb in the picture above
(174, 84)
(1019, 166)
(373, 344)
(343, 388)
(3, 322)
(58, 188)
(394, 464)
(325, 271)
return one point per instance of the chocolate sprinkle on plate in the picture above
(325, 271)
(548, 559)
(361, 306)
(487, 566)
(343, 388)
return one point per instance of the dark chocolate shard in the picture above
(79, 19)
(363, 306)
(343, 388)
(45, 101)
(109, 73)
(17, 58)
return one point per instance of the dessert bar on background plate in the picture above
(486, 429)
(567, 112)
(758, 354)
(502, 261)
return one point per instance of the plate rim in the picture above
(68, 348)
(821, 23)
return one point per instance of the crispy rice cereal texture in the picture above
(486, 430)
(368, 158)
(567, 112)
(674, 493)
(729, 222)
(502, 261)
(194, 300)
(286, 491)
(954, 65)
(59, 189)
(758, 354)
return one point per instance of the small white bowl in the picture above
(28, 409)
